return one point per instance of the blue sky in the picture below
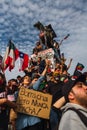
(17, 18)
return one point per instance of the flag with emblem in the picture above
(10, 57)
(23, 61)
(78, 70)
(80, 67)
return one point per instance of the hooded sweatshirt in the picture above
(70, 119)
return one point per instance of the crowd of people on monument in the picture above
(69, 93)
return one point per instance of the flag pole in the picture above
(64, 39)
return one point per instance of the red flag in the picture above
(23, 61)
(10, 57)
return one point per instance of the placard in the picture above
(47, 53)
(34, 103)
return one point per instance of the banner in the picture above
(48, 53)
(34, 103)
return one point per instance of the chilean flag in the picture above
(23, 61)
(10, 57)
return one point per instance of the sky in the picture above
(17, 18)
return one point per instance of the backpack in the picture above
(79, 113)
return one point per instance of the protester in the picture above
(5, 104)
(56, 48)
(55, 88)
(56, 113)
(38, 47)
(28, 122)
(11, 89)
(19, 78)
(75, 93)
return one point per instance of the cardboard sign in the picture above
(47, 53)
(34, 103)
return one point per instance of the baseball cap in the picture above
(70, 84)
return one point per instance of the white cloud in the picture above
(2, 20)
(2, 1)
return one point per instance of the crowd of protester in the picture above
(39, 76)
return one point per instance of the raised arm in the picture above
(59, 103)
(46, 67)
(41, 78)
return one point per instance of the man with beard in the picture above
(75, 111)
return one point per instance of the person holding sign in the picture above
(29, 122)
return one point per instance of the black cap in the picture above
(70, 84)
